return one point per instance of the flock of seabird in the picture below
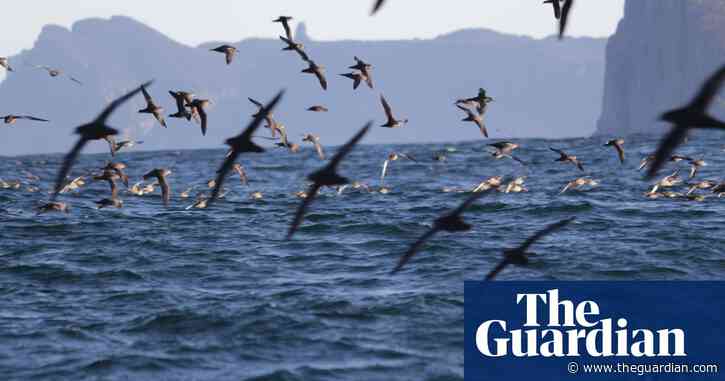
(692, 115)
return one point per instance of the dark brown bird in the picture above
(198, 107)
(114, 201)
(115, 147)
(318, 108)
(284, 20)
(242, 143)
(693, 115)
(317, 70)
(519, 256)
(228, 50)
(152, 108)
(365, 69)
(475, 118)
(356, 77)
(376, 7)
(10, 119)
(326, 176)
(161, 174)
(618, 144)
(95, 130)
(564, 17)
(392, 122)
(451, 222)
(296, 47)
(563, 157)
(183, 99)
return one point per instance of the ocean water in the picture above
(148, 292)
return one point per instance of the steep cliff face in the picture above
(659, 56)
(421, 78)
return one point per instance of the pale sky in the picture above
(194, 22)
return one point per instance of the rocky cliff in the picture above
(659, 56)
(530, 79)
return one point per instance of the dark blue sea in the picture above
(154, 293)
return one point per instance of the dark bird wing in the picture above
(147, 96)
(68, 162)
(165, 189)
(348, 146)
(502, 265)
(111, 144)
(620, 152)
(709, 90)
(202, 115)
(560, 152)
(28, 117)
(179, 102)
(414, 249)
(256, 103)
(557, 9)
(564, 17)
(376, 7)
(541, 234)
(466, 204)
(668, 145)
(300, 214)
(386, 107)
(579, 165)
(246, 134)
(76, 81)
(481, 126)
(287, 29)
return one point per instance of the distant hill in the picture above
(532, 81)
(660, 55)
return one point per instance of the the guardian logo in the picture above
(573, 330)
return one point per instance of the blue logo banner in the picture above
(594, 331)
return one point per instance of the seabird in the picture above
(515, 186)
(315, 140)
(365, 70)
(114, 201)
(317, 70)
(271, 123)
(56, 72)
(618, 144)
(182, 99)
(695, 166)
(5, 64)
(284, 20)
(241, 172)
(451, 222)
(645, 162)
(568, 158)
(578, 183)
(668, 181)
(488, 184)
(392, 122)
(393, 156)
(228, 50)
(475, 118)
(160, 174)
(95, 130)
(693, 115)
(198, 107)
(10, 119)
(152, 108)
(115, 147)
(242, 143)
(356, 77)
(480, 101)
(295, 46)
(318, 108)
(327, 176)
(519, 256)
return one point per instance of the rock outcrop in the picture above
(658, 58)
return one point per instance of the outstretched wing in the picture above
(414, 249)
(68, 162)
(300, 215)
(709, 90)
(103, 116)
(564, 17)
(348, 146)
(668, 145)
(541, 234)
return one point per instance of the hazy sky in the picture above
(193, 22)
